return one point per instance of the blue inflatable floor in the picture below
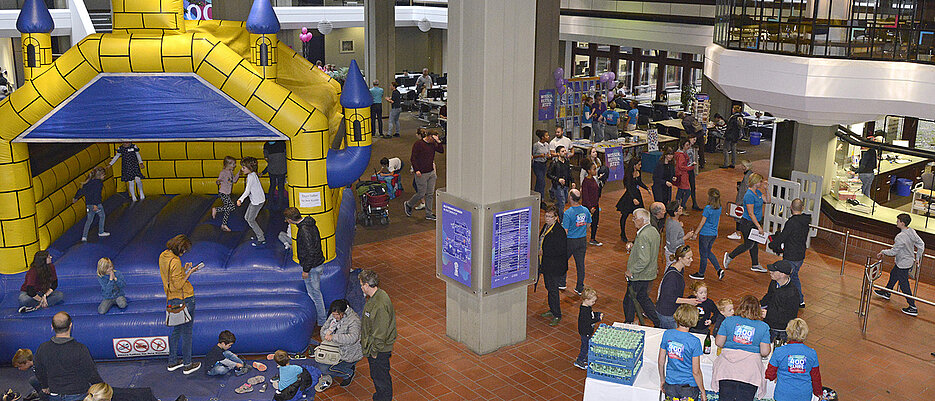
(257, 293)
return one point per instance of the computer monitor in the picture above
(442, 80)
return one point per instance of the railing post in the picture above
(915, 289)
(847, 236)
(866, 315)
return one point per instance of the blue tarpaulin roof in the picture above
(149, 107)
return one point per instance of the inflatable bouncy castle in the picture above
(140, 84)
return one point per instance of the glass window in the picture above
(601, 65)
(582, 45)
(925, 136)
(581, 65)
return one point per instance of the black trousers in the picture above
(586, 132)
(640, 290)
(595, 219)
(551, 285)
(380, 374)
(691, 182)
(376, 118)
(623, 226)
(732, 390)
(748, 244)
(901, 276)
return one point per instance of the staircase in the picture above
(101, 19)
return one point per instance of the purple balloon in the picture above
(559, 73)
(559, 83)
(611, 75)
(304, 30)
(603, 78)
(561, 90)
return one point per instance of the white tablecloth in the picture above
(646, 386)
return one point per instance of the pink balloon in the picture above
(304, 30)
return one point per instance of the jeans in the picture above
(380, 374)
(583, 352)
(597, 131)
(285, 239)
(705, 243)
(681, 391)
(106, 304)
(666, 322)
(595, 219)
(576, 248)
(54, 298)
(748, 244)
(425, 189)
(897, 275)
(394, 120)
(730, 153)
(90, 219)
(343, 369)
(181, 336)
(34, 382)
(610, 132)
(376, 117)
(560, 193)
(640, 290)
(732, 390)
(551, 286)
(250, 216)
(780, 334)
(313, 287)
(866, 183)
(538, 169)
(67, 397)
(225, 365)
(682, 195)
(795, 278)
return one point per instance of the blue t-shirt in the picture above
(680, 348)
(288, 374)
(633, 114)
(755, 199)
(377, 93)
(744, 334)
(611, 116)
(576, 221)
(586, 116)
(712, 218)
(795, 362)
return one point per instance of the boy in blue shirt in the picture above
(611, 117)
(680, 358)
(576, 222)
(794, 366)
(632, 115)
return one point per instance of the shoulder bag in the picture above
(176, 313)
(328, 353)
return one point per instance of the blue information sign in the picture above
(512, 231)
(456, 244)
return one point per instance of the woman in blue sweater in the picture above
(111, 286)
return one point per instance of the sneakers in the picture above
(174, 366)
(881, 294)
(720, 274)
(911, 311)
(408, 209)
(726, 260)
(758, 269)
(696, 276)
(430, 218)
(191, 368)
(596, 243)
(241, 371)
(554, 321)
(562, 288)
(420, 207)
(802, 305)
(577, 292)
(734, 236)
(27, 309)
(258, 244)
(581, 365)
(84, 239)
(347, 382)
(547, 313)
(103, 234)
(323, 383)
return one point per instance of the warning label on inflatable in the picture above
(141, 346)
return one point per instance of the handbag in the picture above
(328, 353)
(177, 314)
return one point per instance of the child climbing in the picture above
(131, 168)
(253, 190)
(92, 192)
(225, 181)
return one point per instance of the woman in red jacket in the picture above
(590, 198)
(683, 164)
(39, 288)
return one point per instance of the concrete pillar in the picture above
(380, 34)
(231, 10)
(814, 151)
(489, 129)
(547, 56)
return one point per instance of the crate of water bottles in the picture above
(613, 373)
(616, 345)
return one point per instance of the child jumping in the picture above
(221, 360)
(130, 168)
(587, 318)
(226, 180)
(112, 285)
(91, 190)
(253, 190)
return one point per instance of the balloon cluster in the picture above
(608, 78)
(560, 81)
(305, 36)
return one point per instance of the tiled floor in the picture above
(893, 362)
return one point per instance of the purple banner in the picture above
(511, 248)
(456, 244)
(613, 158)
(546, 104)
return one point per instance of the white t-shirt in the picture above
(563, 141)
(395, 164)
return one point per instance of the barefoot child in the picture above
(587, 318)
(92, 192)
(226, 180)
(253, 190)
(111, 286)
(130, 168)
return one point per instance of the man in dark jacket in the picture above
(781, 300)
(311, 258)
(560, 174)
(553, 262)
(64, 366)
(735, 126)
(791, 243)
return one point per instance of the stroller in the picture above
(374, 203)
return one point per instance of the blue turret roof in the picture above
(262, 19)
(355, 94)
(34, 17)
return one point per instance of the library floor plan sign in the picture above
(456, 244)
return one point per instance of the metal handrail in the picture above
(867, 285)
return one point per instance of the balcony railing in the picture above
(894, 30)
